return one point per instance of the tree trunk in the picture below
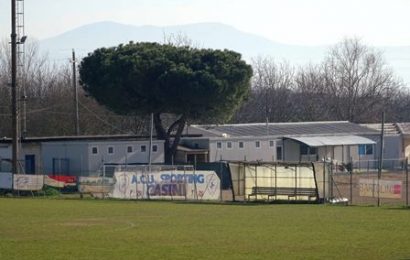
(170, 145)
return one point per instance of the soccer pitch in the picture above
(108, 229)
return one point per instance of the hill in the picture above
(86, 38)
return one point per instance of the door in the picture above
(30, 164)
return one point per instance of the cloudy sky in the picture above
(311, 22)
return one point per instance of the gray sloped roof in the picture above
(282, 129)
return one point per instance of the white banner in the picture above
(28, 182)
(385, 189)
(6, 180)
(95, 184)
(198, 185)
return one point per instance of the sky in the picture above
(301, 22)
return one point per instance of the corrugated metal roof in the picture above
(283, 129)
(404, 128)
(389, 128)
(86, 138)
(318, 141)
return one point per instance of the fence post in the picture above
(351, 186)
(330, 177)
(185, 182)
(256, 181)
(324, 183)
(407, 182)
(221, 180)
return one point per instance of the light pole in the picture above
(14, 107)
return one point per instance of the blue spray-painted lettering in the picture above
(144, 179)
(188, 178)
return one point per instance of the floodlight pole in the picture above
(14, 88)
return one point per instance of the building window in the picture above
(129, 149)
(110, 150)
(365, 149)
(241, 145)
(307, 150)
(229, 145)
(257, 144)
(143, 148)
(94, 150)
(271, 143)
(279, 154)
(219, 145)
(196, 145)
(155, 148)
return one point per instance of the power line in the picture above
(101, 119)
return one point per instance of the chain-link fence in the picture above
(359, 182)
(362, 183)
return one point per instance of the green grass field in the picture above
(105, 229)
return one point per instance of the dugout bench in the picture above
(284, 191)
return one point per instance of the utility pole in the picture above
(14, 106)
(76, 116)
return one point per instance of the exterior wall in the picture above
(121, 155)
(84, 162)
(196, 143)
(393, 147)
(248, 153)
(406, 146)
(75, 152)
(291, 151)
(341, 154)
(32, 149)
(325, 152)
(5, 151)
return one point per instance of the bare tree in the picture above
(272, 88)
(48, 90)
(353, 83)
(312, 100)
(358, 81)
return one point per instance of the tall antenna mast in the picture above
(21, 38)
(14, 108)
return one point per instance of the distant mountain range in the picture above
(86, 38)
